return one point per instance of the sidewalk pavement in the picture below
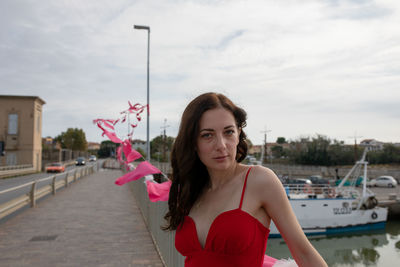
(91, 223)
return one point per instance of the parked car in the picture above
(92, 158)
(80, 161)
(299, 181)
(384, 181)
(318, 180)
(55, 167)
(298, 185)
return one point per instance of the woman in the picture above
(221, 209)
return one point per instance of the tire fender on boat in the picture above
(307, 189)
(331, 192)
(374, 201)
(374, 215)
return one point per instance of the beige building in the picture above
(93, 146)
(21, 130)
(136, 144)
(371, 144)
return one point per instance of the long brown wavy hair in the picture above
(189, 174)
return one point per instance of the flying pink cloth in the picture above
(144, 168)
(158, 192)
(268, 261)
(113, 137)
(130, 153)
(119, 154)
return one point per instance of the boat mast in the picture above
(363, 161)
(358, 163)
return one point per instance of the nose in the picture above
(220, 142)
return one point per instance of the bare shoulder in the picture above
(262, 177)
(265, 186)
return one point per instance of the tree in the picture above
(142, 153)
(107, 149)
(277, 151)
(73, 138)
(321, 150)
(160, 147)
(389, 154)
(281, 140)
(311, 151)
(341, 154)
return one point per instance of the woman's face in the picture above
(217, 139)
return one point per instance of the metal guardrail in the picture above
(15, 167)
(36, 193)
(323, 191)
(153, 214)
(307, 189)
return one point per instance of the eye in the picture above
(229, 132)
(206, 135)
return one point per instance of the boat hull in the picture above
(334, 216)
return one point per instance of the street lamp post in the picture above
(140, 27)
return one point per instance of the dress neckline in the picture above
(218, 217)
(224, 212)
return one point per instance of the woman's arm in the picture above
(274, 200)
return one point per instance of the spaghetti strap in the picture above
(244, 188)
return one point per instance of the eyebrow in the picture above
(211, 130)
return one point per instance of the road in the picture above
(383, 192)
(19, 180)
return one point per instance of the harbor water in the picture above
(377, 248)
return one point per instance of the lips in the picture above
(220, 157)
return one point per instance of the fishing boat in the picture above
(325, 210)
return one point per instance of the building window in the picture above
(12, 123)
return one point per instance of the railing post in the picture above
(53, 185)
(32, 195)
(75, 177)
(76, 170)
(66, 180)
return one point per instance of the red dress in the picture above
(235, 238)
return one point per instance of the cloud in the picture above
(296, 67)
(358, 10)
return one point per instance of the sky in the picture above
(298, 68)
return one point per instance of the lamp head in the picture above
(141, 27)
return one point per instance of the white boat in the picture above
(325, 210)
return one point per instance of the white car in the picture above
(384, 181)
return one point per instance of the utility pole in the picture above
(355, 145)
(164, 138)
(265, 158)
